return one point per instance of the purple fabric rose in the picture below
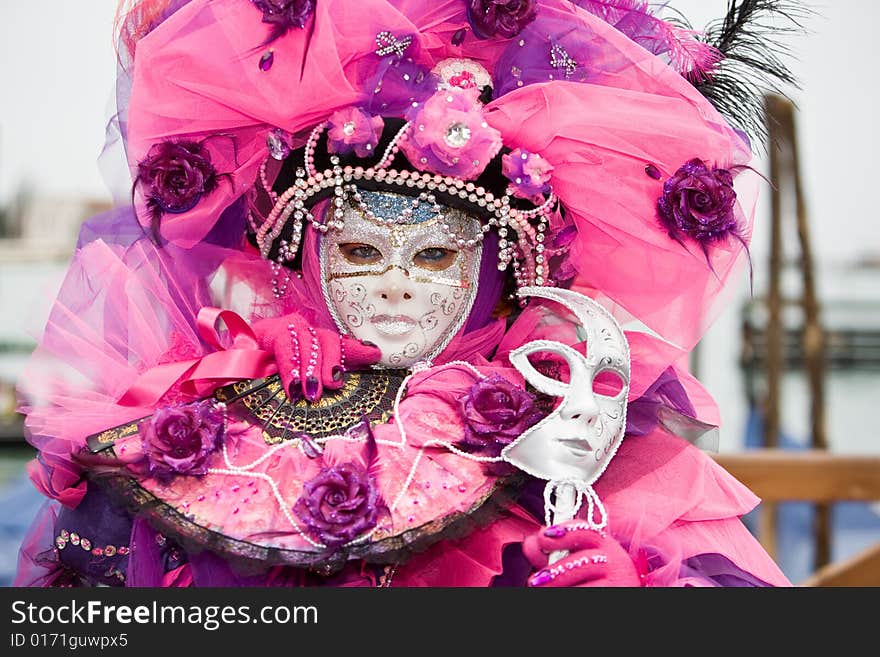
(698, 201)
(529, 173)
(504, 18)
(496, 412)
(352, 129)
(285, 14)
(339, 504)
(179, 439)
(176, 175)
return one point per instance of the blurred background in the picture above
(786, 372)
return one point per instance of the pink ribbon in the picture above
(197, 377)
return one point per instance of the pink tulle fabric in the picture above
(662, 495)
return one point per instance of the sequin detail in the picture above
(65, 537)
(387, 43)
(267, 60)
(560, 59)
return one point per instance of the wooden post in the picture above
(814, 345)
(782, 129)
(774, 330)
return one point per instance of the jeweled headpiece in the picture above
(442, 152)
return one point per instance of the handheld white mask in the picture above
(572, 446)
(401, 273)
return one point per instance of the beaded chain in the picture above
(526, 254)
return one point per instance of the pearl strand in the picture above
(295, 356)
(264, 180)
(282, 504)
(313, 356)
(311, 143)
(393, 147)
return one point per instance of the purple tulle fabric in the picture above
(632, 17)
(146, 567)
(569, 55)
(96, 519)
(689, 55)
(642, 413)
(397, 84)
(720, 571)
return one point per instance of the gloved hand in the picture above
(594, 558)
(311, 359)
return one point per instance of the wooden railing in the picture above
(820, 477)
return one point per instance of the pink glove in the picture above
(311, 359)
(594, 558)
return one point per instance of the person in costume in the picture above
(404, 297)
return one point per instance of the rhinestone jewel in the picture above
(267, 60)
(387, 43)
(348, 128)
(560, 59)
(457, 135)
(277, 144)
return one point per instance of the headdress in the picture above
(624, 160)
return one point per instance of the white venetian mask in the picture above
(402, 273)
(573, 445)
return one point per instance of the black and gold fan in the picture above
(367, 394)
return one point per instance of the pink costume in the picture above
(297, 164)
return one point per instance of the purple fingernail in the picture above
(337, 373)
(540, 578)
(554, 532)
(293, 391)
(311, 388)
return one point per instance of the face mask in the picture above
(401, 273)
(573, 445)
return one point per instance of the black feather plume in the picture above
(755, 59)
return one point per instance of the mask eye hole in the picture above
(435, 258)
(358, 253)
(550, 365)
(608, 383)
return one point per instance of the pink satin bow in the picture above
(199, 376)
